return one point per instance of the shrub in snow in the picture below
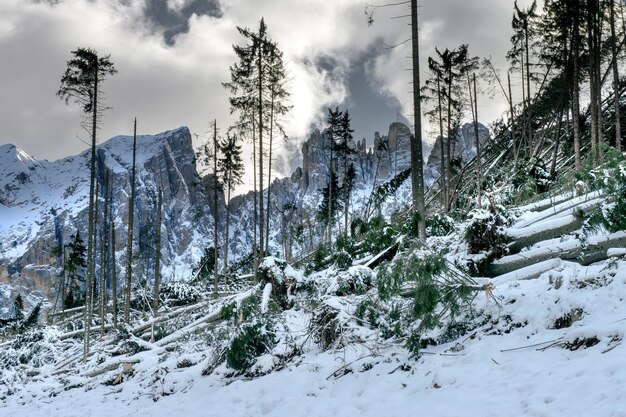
(251, 341)
(179, 293)
(356, 280)
(32, 347)
(531, 178)
(436, 294)
(611, 178)
(283, 278)
(440, 225)
(485, 231)
(342, 259)
(326, 327)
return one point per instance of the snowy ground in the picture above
(515, 364)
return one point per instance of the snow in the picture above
(267, 291)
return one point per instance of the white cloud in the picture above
(180, 84)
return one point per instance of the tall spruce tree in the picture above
(81, 83)
(259, 96)
(524, 41)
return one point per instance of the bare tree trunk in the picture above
(576, 93)
(157, 256)
(215, 208)
(442, 176)
(515, 147)
(255, 248)
(448, 147)
(478, 158)
(103, 251)
(330, 191)
(417, 158)
(525, 140)
(113, 276)
(90, 232)
(261, 214)
(269, 175)
(529, 118)
(616, 97)
(593, 103)
(131, 218)
(227, 232)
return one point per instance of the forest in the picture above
(485, 278)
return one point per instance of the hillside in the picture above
(542, 339)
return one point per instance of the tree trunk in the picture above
(529, 118)
(593, 103)
(448, 157)
(269, 175)
(478, 158)
(255, 247)
(129, 244)
(215, 208)
(261, 214)
(90, 232)
(576, 93)
(515, 147)
(157, 257)
(103, 251)
(616, 97)
(417, 158)
(442, 176)
(227, 230)
(113, 276)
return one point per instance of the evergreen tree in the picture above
(232, 169)
(74, 267)
(524, 42)
(331, 203)
(18, 308)
(258, 95)
(81, 84)
(449, 68)
(349, 174)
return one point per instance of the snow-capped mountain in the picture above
(43, 203)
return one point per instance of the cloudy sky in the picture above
(173, 55)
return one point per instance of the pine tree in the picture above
(331, 202)
(81, 84)
(75, 262)
(524, 40)
(258, 96)
(334, 131)
(449, 67)
(232, 169)
(344, 150)
(18, 308)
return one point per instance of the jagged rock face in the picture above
(43, 203)
(464, 147)
(296, 200)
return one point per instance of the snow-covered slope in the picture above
(547, 345)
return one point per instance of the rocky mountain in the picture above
(463, 147)
(42, 203)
